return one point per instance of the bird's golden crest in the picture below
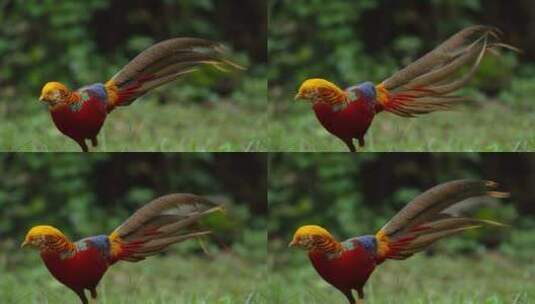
(309, 236)
(321, 90)
(40, 236)
(54, 93)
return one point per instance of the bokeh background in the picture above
(91, 195)
(353, 41)
(353, 196)
(83, 42)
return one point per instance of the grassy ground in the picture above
(147, 126)
(493, 127)
(170, 279)
(488, 279)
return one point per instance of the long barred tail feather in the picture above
(164, 221)
(162, 63)
(425, 85)
(425, 219)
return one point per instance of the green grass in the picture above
(491, 128)
(171, 279)
(146, 126)
(487, 279)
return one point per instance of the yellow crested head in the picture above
(321, 90)
(311, 237)
(54, 93)
(43, 236)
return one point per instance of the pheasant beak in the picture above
(298, 96)
(47, 101)
(293, 243)
(24, 244)
(44, 99)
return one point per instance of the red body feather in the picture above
(81, 271)
(82, 120)
(347, 123)
(348, 271)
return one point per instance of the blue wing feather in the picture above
(369, 242)
(101, 242)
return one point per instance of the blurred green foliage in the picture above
(88, 195)
(353, 196)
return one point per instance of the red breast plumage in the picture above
(347, 121)
(82, 270)
(334, 269)
(81, 120)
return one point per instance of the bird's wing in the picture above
(162, 63)
(424, 220)
(164, 221)
(425, 85)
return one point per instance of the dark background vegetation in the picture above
(90, 195)
(83, 42)
(352, 196)
(349, 42)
